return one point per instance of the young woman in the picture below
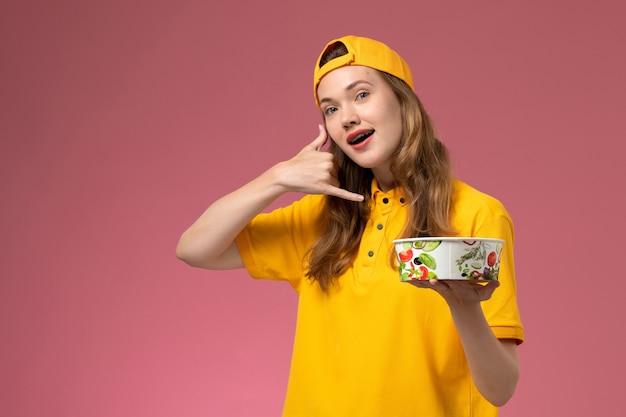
(367, 344)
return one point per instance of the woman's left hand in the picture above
(460, 292)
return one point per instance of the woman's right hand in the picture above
(210, 241)
(313, 171)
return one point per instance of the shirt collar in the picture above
(392, 194)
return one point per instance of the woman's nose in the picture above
(350, 117)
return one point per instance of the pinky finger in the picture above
(346, 195)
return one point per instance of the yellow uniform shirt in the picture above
(374, 346)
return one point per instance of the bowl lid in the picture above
(450, 239)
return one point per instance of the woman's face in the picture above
(362, 115)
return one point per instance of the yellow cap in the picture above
(366, 52)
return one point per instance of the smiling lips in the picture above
(358, 137)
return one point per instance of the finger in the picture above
(489, 288)
(320, 140)
(345, 194)
(323, 137)
(422, 283)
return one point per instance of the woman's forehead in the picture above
(344, 78)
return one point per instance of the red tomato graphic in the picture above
(491, 259)
(405, 255)
(476, 275)
(423, 273)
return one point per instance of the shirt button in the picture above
(385, 200)
(379, 227)
(370, 254)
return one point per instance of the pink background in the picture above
(122, 120)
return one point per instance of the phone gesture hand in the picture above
(314, 171)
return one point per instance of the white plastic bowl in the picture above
(448, 258)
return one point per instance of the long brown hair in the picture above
(422, 170)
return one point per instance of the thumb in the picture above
(320, 140)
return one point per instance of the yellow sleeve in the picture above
(480, 215)
(274, 245)
(502, 310)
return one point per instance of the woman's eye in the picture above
(330, 110)
(362, 95)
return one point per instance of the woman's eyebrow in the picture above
(349, 87)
